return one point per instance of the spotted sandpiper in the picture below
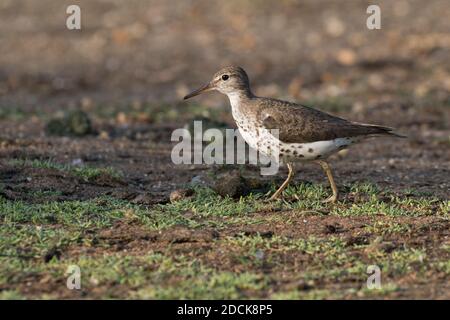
(304, 133)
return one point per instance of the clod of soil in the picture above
(332, 228)
(231, 184)
(181, 194)
(52, 252)
(149, 199)
(75, 123)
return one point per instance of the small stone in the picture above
(259, 254)
(343, 152)
(86, 103)
(333, 228)
(304, 285)
(181, 194)
(75, 123)
(254, 183)
(146, 199)
(121, 118)
(231, 184)
(104, 135)
(198, 181)
(77, 162)
(346, 57)
(51, 253)
(334, 26)
(79, 123)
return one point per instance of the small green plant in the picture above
(85, 172)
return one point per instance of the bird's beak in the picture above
(205, 88)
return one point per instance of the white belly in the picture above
(263, 141)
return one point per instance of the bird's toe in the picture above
(331, 199)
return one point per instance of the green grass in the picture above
(207, 203)
(305, 197)
(150, 276)
(33, 229)
(11, 295)
(233, 266)
(85, 172)
(387, 227)
(45, 193)
(98, 213)
(163, 275)
(13, 113)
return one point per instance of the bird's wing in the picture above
(300, 124)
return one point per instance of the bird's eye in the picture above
(225, 77)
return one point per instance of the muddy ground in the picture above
(101, 200)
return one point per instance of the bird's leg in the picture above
(285, 183)
(326, 167)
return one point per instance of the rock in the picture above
(259, 254)
(51, 253)
(143, 198)
(346, 57)
(231, 184)
(75, 123)
(77, 162)
(57, 127)
(256, 184)
(181, 194)
(122, 118)
(334, 26)
(333, 228)
(198, 181)
(305, 285)
(79, 123)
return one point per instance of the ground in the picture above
(100, 200)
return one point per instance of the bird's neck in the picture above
(237, 98)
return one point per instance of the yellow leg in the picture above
(285, 183)
(326, 167)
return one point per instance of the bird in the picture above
(303, 133)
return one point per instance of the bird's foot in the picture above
(276, 195)
(273, 198)
(331, 199)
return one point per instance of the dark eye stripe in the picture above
(225, 77)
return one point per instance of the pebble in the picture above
(181, 194)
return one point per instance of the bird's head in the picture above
(228, 80)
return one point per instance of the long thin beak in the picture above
(205, 88)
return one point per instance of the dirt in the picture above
(205, 246)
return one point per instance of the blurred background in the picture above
(153, 50)
(132, 62)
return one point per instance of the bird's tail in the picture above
(376, 130)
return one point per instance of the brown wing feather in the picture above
(301, 124)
